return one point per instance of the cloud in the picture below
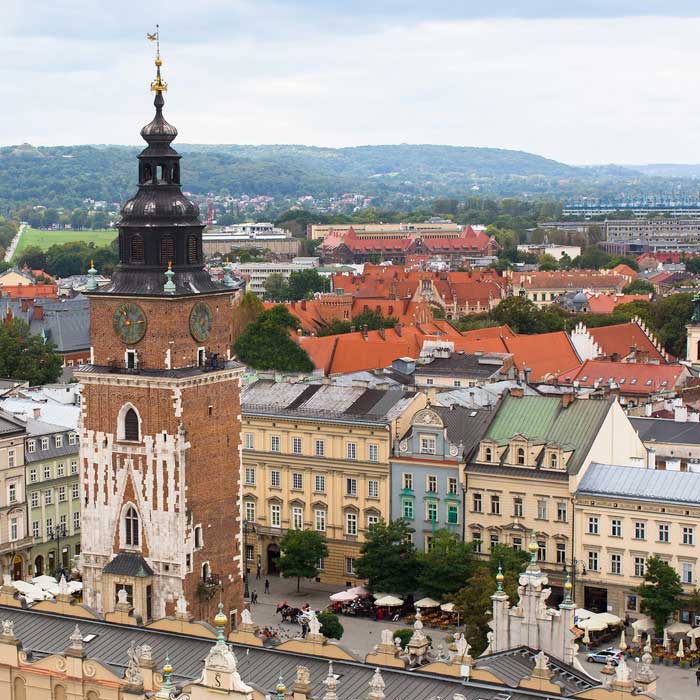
(582, 90)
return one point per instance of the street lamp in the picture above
(574, 570)
(55, 533)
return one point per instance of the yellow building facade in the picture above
(308, 467)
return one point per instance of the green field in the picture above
(45, 239)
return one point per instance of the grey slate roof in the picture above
(325, 401)
(128, 564)
(65, 322)
(10, 424)
(640, 483)
(666, 430)
(43, 634)
(481, 366)
(37, 428)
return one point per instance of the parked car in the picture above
(602, 656)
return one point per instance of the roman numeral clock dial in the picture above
(129, 322)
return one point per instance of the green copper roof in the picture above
(543, 419)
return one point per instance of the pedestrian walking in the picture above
(257, 573)
(697, 677)
(267, 585)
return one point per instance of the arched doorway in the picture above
(39, 566)
(17, 568)
(273, 554)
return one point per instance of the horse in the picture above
(289, 614)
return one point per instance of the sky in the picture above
(583, 82)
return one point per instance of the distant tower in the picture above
(159, 450)
(693, 346)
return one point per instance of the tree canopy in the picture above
(388, 558)
(25, 356)
(303, 283)
(639, 287)
(661, 592)
(276, 287)
(266, 344)
(301, 551)
(446, 566)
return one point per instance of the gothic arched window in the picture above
(521, 455)
(131, 527)
(167, 250)
(131, 425)
(136, 252)
(192, 250)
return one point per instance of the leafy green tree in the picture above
(474, 605)
(331, 626)
(446, 566)
(246, 311)
(520, 314)
(388, 558)
(622, 260)
(592, 258)
(78, 219)
(266, 344)
(548, 263)
(304, 283)
(512, 563)
(639, 287)
(300, 553)
(99, 220)
(33, 257)
(661, 592)
(692, 265)
(669, 317)
(276, 287)
(25, 356)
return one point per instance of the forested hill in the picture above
(65, 175)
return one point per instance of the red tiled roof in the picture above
(573, 280)
(632, 377)
(29, 291)
(621, 338)
(546, 354)
(606, 303)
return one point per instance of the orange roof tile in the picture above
(546, 354)
(29, 291)
(622, 337)
(606, 303)
(632, 377)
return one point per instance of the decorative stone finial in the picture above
(499, 578)
(302, 682)
(8, 628)
(533, 548)
(167, 689)
(376, 686)
(91, 285)
(169, 286)
(567, 588)
(63, 586)
(76, 639)
(331, 683)
(220, 622)
(280, 688)
(228, 278)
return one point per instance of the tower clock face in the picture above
(200, 321)
(129, 323)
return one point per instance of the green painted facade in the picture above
(53, 496)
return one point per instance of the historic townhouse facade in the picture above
(624, 515)
(14, 539)
(317, 457)
(426, 466)
(53, 496)
(522, 479)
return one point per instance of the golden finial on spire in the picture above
(158, 85)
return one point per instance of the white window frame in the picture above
(275, 515)
(275, 443)
(319, 483)
(351, 450)
(320, 519)
(297, 445)
(351, 523)
(372, 452)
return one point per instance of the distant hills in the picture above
(65, 175)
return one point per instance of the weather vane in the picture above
(158, 85)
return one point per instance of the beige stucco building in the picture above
(527, 469)
(317, 457)
(624, 515)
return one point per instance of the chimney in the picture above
(528, 372)
(38, 312)
(567, 400)
(517, 391)
(364, 330)
(651, 458)
(680, 414)
(37, 413)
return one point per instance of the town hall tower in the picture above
(160, 419)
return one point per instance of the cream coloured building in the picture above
(623, 516)
(317, 457)
(527, 469)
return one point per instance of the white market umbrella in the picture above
(447, 607)
(623, 641)
(427, 603)
(693, 644)
(678, 628)
(388, 601)
(582, 614)
(610, 619)
(29, 590)
(695, 632)
(643, 624)
(586, 637)
(667, 641)
(358, 591)
(592, 625)
(680, 653)
(343, 597)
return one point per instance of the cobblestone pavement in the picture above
(361, 634)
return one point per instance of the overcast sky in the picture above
(594, 81)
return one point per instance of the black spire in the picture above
(160, 226)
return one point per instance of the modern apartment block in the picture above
(654, 234)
